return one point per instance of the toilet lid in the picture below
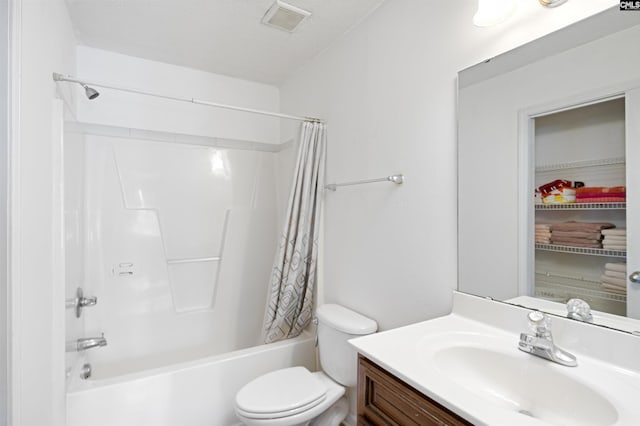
(282, 392)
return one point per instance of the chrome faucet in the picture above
(580, 310)
(541, 342)
(88, 343)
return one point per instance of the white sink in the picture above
(466, 363)
(525, 385)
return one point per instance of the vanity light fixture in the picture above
(552, 3)
(492, 12)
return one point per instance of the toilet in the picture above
(295, 396)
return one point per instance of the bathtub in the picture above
(193, 393)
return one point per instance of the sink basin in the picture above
(525, 384)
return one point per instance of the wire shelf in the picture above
(558, 287)
(579, 164)
(581, 250)
(582, 206)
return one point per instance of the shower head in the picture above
(90, 91)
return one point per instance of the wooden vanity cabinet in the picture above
(383, 399)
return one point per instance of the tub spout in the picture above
(90, 342)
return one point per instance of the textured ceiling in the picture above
(219, 36)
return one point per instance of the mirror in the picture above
(564, 107)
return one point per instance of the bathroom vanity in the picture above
(466, 368)
(383, 399)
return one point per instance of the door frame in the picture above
(10, 217)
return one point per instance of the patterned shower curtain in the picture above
(293, 277)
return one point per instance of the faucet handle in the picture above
(80, 301)
(540, 324)
(87, 301)
(579, 309)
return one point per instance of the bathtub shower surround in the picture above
(178, 243)
(290, 304)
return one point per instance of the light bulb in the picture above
(492, 12)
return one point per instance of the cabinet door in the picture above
(385, 400)
(632, 135)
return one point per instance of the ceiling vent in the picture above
(284, 16)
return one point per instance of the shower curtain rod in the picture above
(60, 77)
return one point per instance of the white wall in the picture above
(47, 44)
(388, 91)
(143, 112)
(4, 131)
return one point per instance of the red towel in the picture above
(601, 190)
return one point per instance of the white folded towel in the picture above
(616, 274)
(614, 288)
(605, 279)
(613, 238)
(616, 266)
(614, 231)
(614, 246)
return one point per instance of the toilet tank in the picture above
(336, 325)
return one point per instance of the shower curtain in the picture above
(290, 301)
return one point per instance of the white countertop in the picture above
(408, 353)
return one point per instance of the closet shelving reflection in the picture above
(585, 144)
(582, 206)
(581, 250)
(580, 164)
(560, 288)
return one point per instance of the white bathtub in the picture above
(195, 393)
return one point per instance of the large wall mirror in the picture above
(549, 172)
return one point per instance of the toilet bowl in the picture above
(291, 396)
(295, 396)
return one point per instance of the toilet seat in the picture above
(281, 393)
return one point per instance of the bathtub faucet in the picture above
(90, 342)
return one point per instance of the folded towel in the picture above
(610, 240)
(600, 190)
(578, 234)
(543, 226)
(615, 274)
(572, 240)
(581, 226)
(615, 231)
(601, 200)
(616, 266)
(614, 288)
(614, 243)
(622, 247)
(599, 195)
(613, 281)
